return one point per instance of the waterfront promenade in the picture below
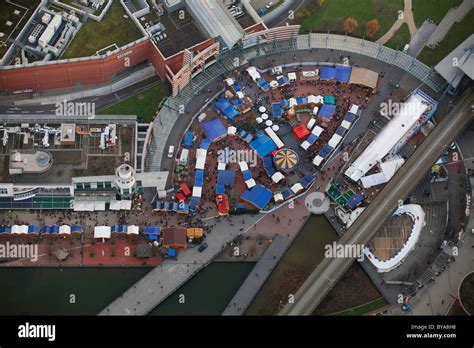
(255, 280)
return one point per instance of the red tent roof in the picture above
(185, 189)
(301, 132)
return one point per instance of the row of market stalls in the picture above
(337, 137)
(35, 230)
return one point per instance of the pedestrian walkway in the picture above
(255, 280)
(407, 17)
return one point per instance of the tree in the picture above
(372, 27)
(350, 24)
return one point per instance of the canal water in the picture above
(208, 292)
(306, 252)
(49, 291)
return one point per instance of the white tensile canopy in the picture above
(102, 232)
(277, 177)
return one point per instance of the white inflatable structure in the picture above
(416, 213)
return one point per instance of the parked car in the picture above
(202, 247)
(171, 151)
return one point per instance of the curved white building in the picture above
(416, 213)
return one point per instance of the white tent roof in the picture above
(346, 124)
(250, 183)
(277, 177)
(354, 109)
(132, 229)
(402, 123)
(305, 145)
(317, 131)
(102, 232)
(335, 140)
(99, 206)
(229, 81)
(292, 102)
(243, 166)
(373, 180)
(197, 191)
(278, 198)
(292, 76)
(311, 123)
(121, 205)
(240, 94)
(201, 153)
(65, 229)
(315, 110)
(231, 130)
(297, 188)
(19, 229)
(83, 206)
(273, 84)
(221, 166)
(200, 163)
(317, 160)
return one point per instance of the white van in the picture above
(171, 151)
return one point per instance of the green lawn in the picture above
(365, 308)
(332, 14)
(458, 33)
(432, 9)
(93, 36)
(144, 105)
(400, 39)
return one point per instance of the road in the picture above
(318, 284)
(281, 16)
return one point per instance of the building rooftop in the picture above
(216, 21)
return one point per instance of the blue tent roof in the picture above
(199, 178)
(226, 177)
(268, 164)
(327, 111)
(220, 189)
(204, 144)
(152, 230)
(302, 100)
(171, 252)
(276, 110)
(340, 131)
(339, 73)
(226, 108)
(33, 229)
(258, 196)
(354, 200)
(343, 73)
(307, 179)
(284, 103)
(287, 193)
(76, 228)
(263, 84)
(236, 87)
(282, 80)
(214, 129)
(188, 139)
(349, 117)
(325, 151)
(263, 145)
(5, 229)
(247, 175)
(193, 204)
(312, 139)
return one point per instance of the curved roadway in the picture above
(318, 284)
